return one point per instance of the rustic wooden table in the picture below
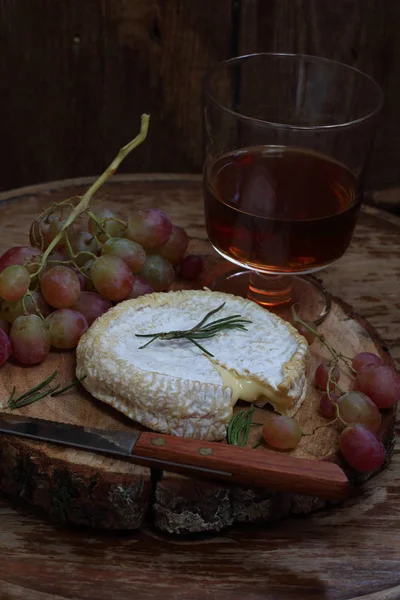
(349, 552)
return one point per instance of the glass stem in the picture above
(270, 290)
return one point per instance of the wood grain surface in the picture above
(349, 552)
(74, 76)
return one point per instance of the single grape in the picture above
(305, 332)
(191, 267)
(322, 374)
(30, 304)
(158, 272)
(66, 327)
(20, 255)
(130, 252)
(91, 305)
(83, 243)
(365, 359)
(83, 281)
(5, 347)
(112, 278)
(361, 448)
(174, 249)
(30, 339)
(14, 282)
(327, 405)
(108, 224)
(4, 324)
(60, 287)
(54, 229)
(381, 383)
(355, 407)
(140, 288)
(150, 228)
(39, 228)
(281, 432)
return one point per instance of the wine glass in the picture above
(288, 138)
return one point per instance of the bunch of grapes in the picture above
(72, 273)
(358, 411)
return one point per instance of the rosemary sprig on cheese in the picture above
(200, 331)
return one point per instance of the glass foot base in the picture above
(278, 293)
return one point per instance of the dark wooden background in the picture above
(75, 75)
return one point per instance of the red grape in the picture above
(66, 327)
(39, 229)
(60, 287)
(327, 405)
(305, 332)
(322, 374)
(174, 249)
(355, 407)
(14, 282)
(158, 272)
(5, 347)
(91, 305)
(30, 339)
(130, 252)
(83, 243)
(140, 288)
(191, 267)
(4, 325)
(109, 223)
(83, 281)
(381, 383)
(31, 304)
(19, 255)
(281, 432)
(361, 448)
(150, 228)
(365, 359)
(112, 278)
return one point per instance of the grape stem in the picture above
(335, 354)
(84, 202)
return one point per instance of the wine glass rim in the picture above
(310, 58)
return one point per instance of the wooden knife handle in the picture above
(234, 464)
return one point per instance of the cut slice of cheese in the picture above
(172, 386)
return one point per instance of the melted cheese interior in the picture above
(251, 391)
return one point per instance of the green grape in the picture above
(281, 432)
(130, 252)
(112, 278)
(66, 327)
(30, 339)
(158, 272)
(14, 282)
(109, 224)
(85, 243)
(355, 407)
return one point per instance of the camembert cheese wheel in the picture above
(172, 386)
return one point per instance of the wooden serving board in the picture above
(79, 487)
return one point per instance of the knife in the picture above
(213, 460)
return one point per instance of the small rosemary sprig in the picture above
(200, 331)
(38, 392)
(239, 427)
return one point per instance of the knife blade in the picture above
(213, 460)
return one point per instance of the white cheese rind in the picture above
(171, 386)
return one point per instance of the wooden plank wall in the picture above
(75, 76)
